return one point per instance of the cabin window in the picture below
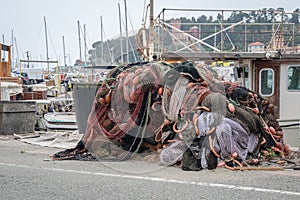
(266, 82)
(246, 76)
(294, 78)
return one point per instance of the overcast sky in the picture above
(26, 19)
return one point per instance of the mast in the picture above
(12, 50)
(102, 46)
(46, 43)
(3, 42)
(126, 28)
(84, 38)
(64, 50)
(17, 51)
(79, 40)
(121, 39)
(151, 37)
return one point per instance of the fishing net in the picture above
(181, 113)
(124, 116)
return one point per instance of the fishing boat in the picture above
(271, 70)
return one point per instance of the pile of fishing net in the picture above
(183, 114)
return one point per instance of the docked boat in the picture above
(60, 121)
(271, 69)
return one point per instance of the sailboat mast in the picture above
(80, 57)
(64, 49)
(102, 46)
(12, 50)
(84, 38)
(3, 42)
(126, 28)
(46, 38)
(121, 39)
(151, 37)
(17, 51)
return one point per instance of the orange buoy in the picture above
(107, 98)
(160, 91)
(255, 110)
(231, 107)
(102, 101)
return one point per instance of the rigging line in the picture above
(107, 45)
(16, 47)
(48, 32)
(89, 40)
(146, 15)
(38, 38)
(143, 17)
(84, 39)
(130, 42)
(52, 44)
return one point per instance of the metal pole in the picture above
(84, 38)
(27, 54)
(245, 37)
(293, 44)
(281, 32)
(46, 43)
(126, 28)
(222, 33)
(163, 32)
(121, 39)
(151, 37)
(64, 50)
(12, 50)
(102, 45)
(3, 59)
(80, 57)
(215, 39)
(17, 51)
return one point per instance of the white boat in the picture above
(60, 120)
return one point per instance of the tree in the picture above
(202, 19)
(295, 16)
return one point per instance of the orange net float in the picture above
(231, 107)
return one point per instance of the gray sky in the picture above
(26, 19)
